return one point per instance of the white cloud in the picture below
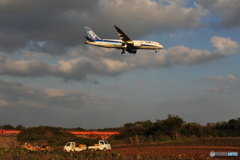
(232, 77)
(228, 78)
(224, 46)
(175, 35)
(23, 68)
(224, 89)
(152, 15)
(224, 84)
(83, 68)
(55, 92)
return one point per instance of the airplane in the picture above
(125, 43)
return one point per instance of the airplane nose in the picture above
(161, 46)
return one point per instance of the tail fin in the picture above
(91, 34)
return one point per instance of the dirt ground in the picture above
(196, 152)
(8, 141)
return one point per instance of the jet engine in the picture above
(133, 51)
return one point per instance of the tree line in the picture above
(173, 127)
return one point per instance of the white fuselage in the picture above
(136, 44)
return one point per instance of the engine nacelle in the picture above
(137, 43)
(132, 51)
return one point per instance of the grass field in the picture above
(6, 142)
(188, 149)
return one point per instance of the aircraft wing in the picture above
(122, 35)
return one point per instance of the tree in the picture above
(20, 128)
(7, 126)
(172, 125)
(234, 127)
(192, 129)
(208, 130)
(234, 124)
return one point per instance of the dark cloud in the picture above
(227, 11)
(27, 21)
(60, 24)
(14, 94)
(32, 106)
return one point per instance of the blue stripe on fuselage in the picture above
(108, 41)
(149, 45)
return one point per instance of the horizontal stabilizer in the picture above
(89, 39)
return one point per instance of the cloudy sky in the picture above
(48, 76)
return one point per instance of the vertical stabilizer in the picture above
(91, 34)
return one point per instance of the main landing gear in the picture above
(156, 51)
(123, 51)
